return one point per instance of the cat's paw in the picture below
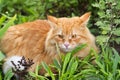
(19, 66)
(13, 63)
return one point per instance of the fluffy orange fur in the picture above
(37, 40)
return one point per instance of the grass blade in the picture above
(57, 64)
(73, 69)
(70, 64)
(2, 19)
(5, 27)
(1, 76)
(67, 59)
(48, 70)
(2, 56)
(115, 61)
(9, 75)
(38, 77)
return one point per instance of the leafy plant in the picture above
(108, 22)
(105, 15)
(67, 68)
(27, 10)
(72, 68)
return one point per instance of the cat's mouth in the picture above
(65, 50)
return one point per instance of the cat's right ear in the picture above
(52, 18)
(52, 21)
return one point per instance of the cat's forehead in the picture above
(68, 25)
(68, 31)
(68, 20)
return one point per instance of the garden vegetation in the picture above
(104, 24)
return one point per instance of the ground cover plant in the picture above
(104, 23)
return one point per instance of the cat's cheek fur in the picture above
(52, 41)
(8, 64)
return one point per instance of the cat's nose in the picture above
(66, 45)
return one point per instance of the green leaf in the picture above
(117, 40)
(38, 77)
(99, 23)
(101, 14)
(99, 65)
(101, 39)
(37, 69)
(66, 60)
(73, 68)
(117, 32)
(2, 19)
(1, 76)
(48, 70)
(57, 64)
(2, 56)
(9, 75)
(95, 5)
(102, 4)
(32, 74)
(115, 61)
(4, 29)
(70, 64)
(117, 21)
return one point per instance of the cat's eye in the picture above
(74, 36)
(60, 36)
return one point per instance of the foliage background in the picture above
(104, 22)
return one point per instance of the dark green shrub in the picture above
(108, 23)
(33, 9)
(27, 10)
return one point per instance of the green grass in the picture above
(107, 65)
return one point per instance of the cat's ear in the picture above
(85, 18)
(52, 18)
(52, 21)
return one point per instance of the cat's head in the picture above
(68, 33)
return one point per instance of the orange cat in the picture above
(37, 40)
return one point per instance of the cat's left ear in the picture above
(52, 21)
(52, 18)
(85, 18)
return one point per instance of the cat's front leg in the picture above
(19, 66)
